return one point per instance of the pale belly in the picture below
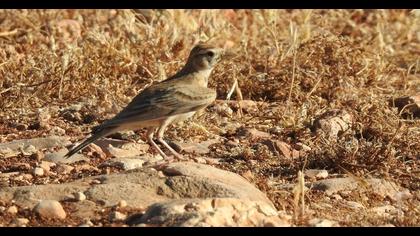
(156, 123)
(182, 117)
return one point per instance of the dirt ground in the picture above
(293, 66)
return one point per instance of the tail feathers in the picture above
(88, 141)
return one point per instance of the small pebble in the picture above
(122, 204)
(87, 223)
(84, 225)
(21, 221)
(117, 216)
(12, 210)
(38, 171)
(79, 196)
(95, 181)
(354, 205)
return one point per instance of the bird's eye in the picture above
(210, 54)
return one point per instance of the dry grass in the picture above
(302, 62)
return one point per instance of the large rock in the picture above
(143, 186)
(50, 209)
(380, 187)
(216, 212)
(195, 180)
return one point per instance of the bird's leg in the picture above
(149, 135)
(160, 132)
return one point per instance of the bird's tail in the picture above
(98, 133)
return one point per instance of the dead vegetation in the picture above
(299, 64)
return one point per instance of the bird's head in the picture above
(205, 56)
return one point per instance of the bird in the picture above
(167, 102)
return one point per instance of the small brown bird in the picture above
(170, 101)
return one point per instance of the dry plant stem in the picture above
(299, 196)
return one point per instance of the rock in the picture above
(117, 216)
(85, 209)
(248, 175)
(387, 225)
(38, 156)
(141, 187)
(29, 150)
(86, 167)
(87, 223)
(222, 109)
(55, 130)
(21, 221)
(192, 147)
(64, 169)
(380, 187)
(2, 208)
(125, 163)
(385, 211)
(337, 197)
(403, 195)
(96, 151)
(43, 116)
(9, 174)
(333, 122)
(408, 103)
(122, 204)
(128, 150)
(354, 205)
(281, 148)
(58, 157)
(303, 147)
(217, 212)
(248, 106)
(15, 147)
(79, 196)
(38, 171)
(12, 210)
(215, 182)
(50, 209)
(252, 134)
(316, 222)
(46, 165)
(316, 174)
(84, 225)
(6, 152)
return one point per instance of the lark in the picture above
(173, 100)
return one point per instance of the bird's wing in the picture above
(160, 102)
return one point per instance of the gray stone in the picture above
(212, 212)
(15, 147)
(141, 187)
(380, 187)
(58, 157)
(125, 163)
